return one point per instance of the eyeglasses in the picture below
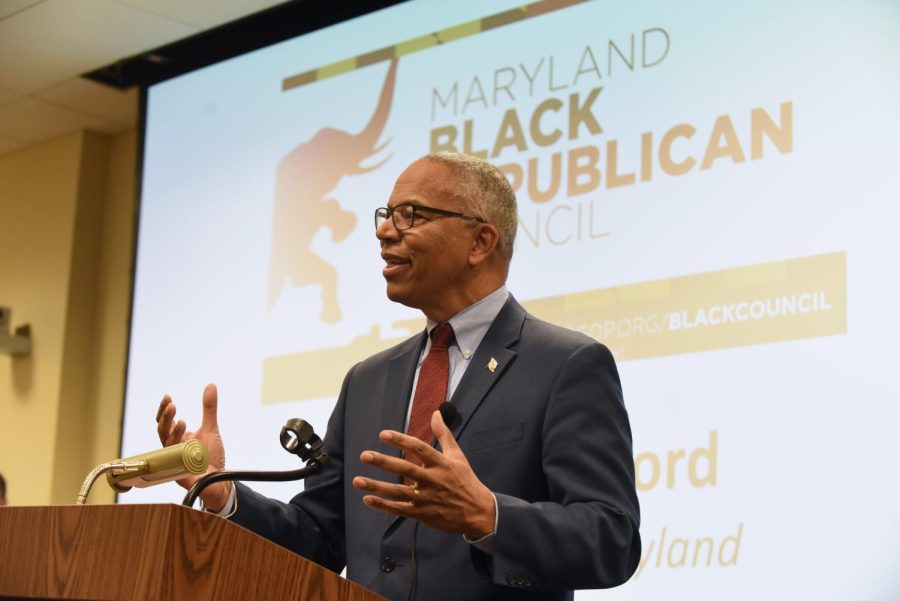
(404, 216)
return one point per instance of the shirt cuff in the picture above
(485, 544)
(230, 504)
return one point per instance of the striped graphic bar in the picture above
(444, 36)
(785, 300)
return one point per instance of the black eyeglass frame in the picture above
(388, 212)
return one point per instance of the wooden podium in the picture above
(152, 552)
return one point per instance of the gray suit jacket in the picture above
(547, 432)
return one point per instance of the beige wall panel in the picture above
(38, 191)
(114, 303)
(66, 243)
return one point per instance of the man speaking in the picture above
(525, 490)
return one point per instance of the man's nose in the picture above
(387, 231)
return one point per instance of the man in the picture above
(529, 492)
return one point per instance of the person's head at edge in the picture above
(3, 500)
(443, 264)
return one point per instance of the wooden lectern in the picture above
(153, 552)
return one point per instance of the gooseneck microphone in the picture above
(297, 437)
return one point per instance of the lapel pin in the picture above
(492, 365)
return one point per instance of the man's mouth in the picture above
(393, 264)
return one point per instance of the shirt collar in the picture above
(472, 323)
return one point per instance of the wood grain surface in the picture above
(152, 552)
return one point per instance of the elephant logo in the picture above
(304, 178)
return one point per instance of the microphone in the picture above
(448, 412)
(163, 465)
(147, 469)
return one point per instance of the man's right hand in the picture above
(214, 496)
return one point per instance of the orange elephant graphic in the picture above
(304, 178)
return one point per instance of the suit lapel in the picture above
(398, 385)
(401, 370)
(493, 352)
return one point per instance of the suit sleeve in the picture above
(312, 523)
(586, 534)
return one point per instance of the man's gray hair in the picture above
(486, 193)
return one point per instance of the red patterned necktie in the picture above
(431, 388)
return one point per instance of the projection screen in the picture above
(710, 189)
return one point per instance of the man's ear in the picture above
(485, 242)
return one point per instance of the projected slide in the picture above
(710, 189)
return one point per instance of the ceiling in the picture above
(46, 45)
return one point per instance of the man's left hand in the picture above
(446, 495)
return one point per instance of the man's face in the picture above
(426, 266)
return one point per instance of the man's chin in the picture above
(399, 294)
